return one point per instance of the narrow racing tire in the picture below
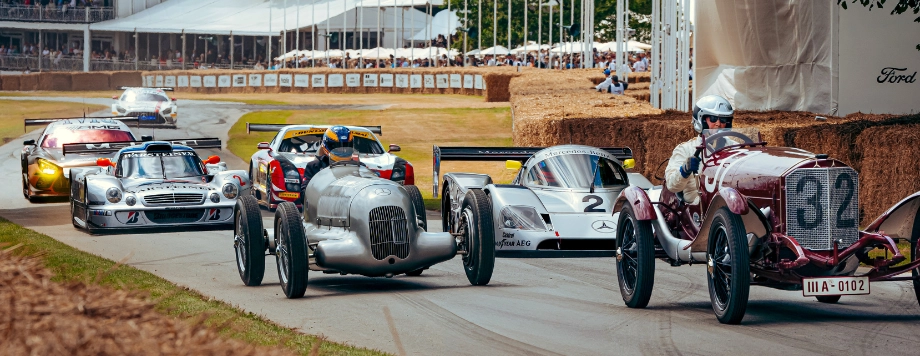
(728, 271)
(248, 241)
(291, 253)
(415, 273)
(829, 299)
(635, 258)
(915, 253)
(25, 187)
(445, 210)
(477, 237)
(416, 196)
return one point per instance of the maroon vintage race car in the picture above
(770, 216)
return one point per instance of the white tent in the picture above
(288, 56)
(631, 46)
(332, 53)
(377, 53)
(568, 47)
(532, 47)
(497, 50)
(442, 24)
(473, 52)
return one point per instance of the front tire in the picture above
(728, 271)
(478, 237)
(635, 259)
(291, 254)
(419, 203)
(248, 242)
(915, 253)
(445, 210)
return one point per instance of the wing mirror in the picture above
(512, 165)
(264, 146)
(115, 97)
(212, 160)
(146, 138)
(173, 99)
(394, 148)
(629, 163)
(29, 142)
(104, 162)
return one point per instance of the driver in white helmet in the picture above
(710, 112)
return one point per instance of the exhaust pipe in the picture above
(677, 249)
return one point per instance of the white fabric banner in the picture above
(455, 81)
(386, 80)
(285, 80)
(169, 81)
(239, 80)
(195, 81)
(255, 80)
(319, 80)
(270, 80)
(353, 79)
(159, 82)
(223, 81)
(302, 80)
(335, 80)
(370, 80)
(182, 81)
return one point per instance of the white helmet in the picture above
(711, 105)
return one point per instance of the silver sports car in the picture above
(151, 106)
(353, 222)
(558, 205)
(153, 184)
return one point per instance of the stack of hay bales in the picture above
(10, 82)
(93, 81)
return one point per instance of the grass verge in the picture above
(14, 111)
(70, 264)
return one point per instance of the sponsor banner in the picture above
(270, 80)
(159, 81)
(455, 81)
(477, 82)
(415, 81)
(182, 81)
(386, 80)
(209, 81)
(195, 81)
(429, 81)
(468, 81)
(148, 81)
(302, 80)
(402, 80)
(239, 80)
(353, 79)
(169, 81)
(285, 80)
(441, 81)
(370, 80)
(255, 80)
(336, 80)
(223, 81)
(319, 80)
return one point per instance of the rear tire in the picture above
(416, 196)
(478, 237)
(415, 273)
(829, 299)
(291, 254)
(445, 210)
(248, 241)
(915, 253)
(728, 271)
(636, 259)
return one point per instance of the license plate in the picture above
(812, 287)
(146, 117)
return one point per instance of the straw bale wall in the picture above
(28, 82)
(10, 82)
(92, 81)
(124, 79)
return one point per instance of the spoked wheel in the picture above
(915, 254)
(248, 241)
(291, 254)
(416, 196)
(477, 237)
(829, 299)
(635, 258)
(728, 270)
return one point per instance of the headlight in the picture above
(47, 167)
(215, 198)
(166, 111)
(120, 109)
(113, 195)
(230, 190)
(522, 218)
(130, 200)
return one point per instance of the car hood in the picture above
(147, 185)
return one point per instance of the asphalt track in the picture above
(532, 306)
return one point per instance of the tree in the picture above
(901, 7)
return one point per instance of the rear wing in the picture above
(163, 89)
(251, 127)
(87, 120)
(482, 154)
(112, 147)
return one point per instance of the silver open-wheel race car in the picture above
(353, 222)
(558, 205)
(152, 184)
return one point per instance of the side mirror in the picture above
(512, 165)
(104, 162)
(264, 146)
(629, 163)
(394, 148)
(115, 97)
(146, 138)
(29, 142)
(212, 160)
(173, 99)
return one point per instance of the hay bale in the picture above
(10, 83)
(91, 81)
(60, 81)
(497, 87)
(28, 82)
(888, 177)
(124, 79)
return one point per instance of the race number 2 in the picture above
(596, 201)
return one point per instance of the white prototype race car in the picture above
(150, 106)
(558, 205)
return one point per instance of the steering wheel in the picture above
(714, 142)
(660, 169)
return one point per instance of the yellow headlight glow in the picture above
(47, 167)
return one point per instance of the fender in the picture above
(901, 220)
(754, 220)
(639, 200)
(506, 194)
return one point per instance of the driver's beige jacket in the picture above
(677, 183)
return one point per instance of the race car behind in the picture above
(150, 105)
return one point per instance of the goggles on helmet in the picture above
(723, 119)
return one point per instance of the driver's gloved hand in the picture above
(692, 165)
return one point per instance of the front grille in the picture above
(174, 198)
(822, 205)
(182, 216)
(389, 232)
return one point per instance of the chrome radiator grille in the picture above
(822, 205)
(389, 232)
(174, 198)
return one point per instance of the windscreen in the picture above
(576, 171)
(718, 139)
(310, 144)
(162, 165)
(143, 95)
(65, 135)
